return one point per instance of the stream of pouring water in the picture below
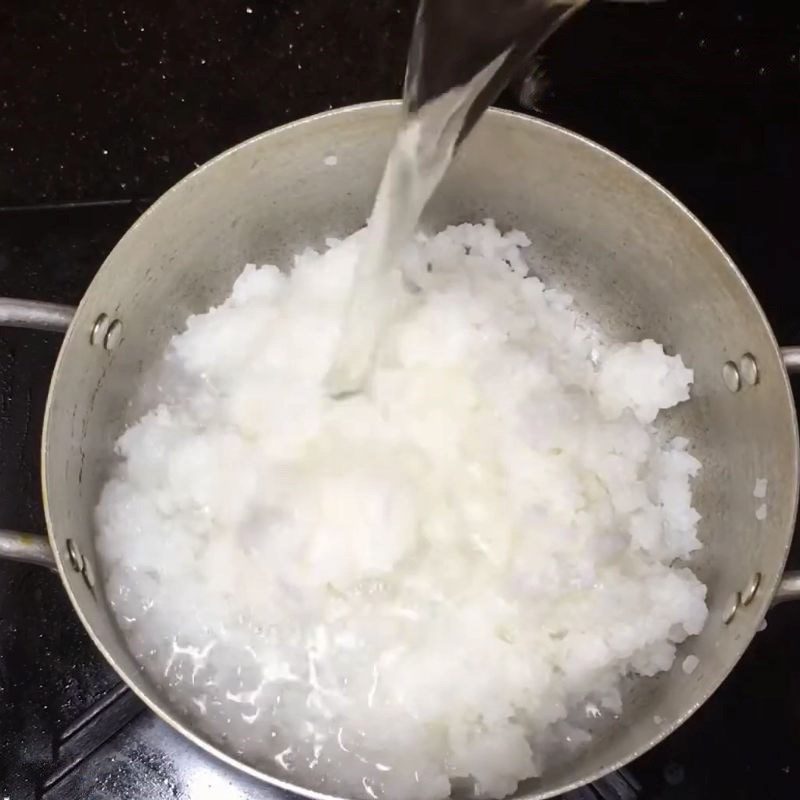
(462, 54)
(421, 154)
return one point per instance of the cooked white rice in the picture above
(690, 664)
(437, 582)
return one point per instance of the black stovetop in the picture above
(103, 105)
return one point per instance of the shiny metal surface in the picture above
(748, 595)
(99, 328)
(731, 376)
(731, 608)
(789, 588)
(32, 314)
(113, 335)
(29, 548)
(748, 369)
(791, 359)
(633, 257)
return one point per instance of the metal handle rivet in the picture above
(748, 369)
(113, 335)
(730, 374)
(81, 564)
(88, 574)
(748, 595)
(99, 329)
(75, 556)
(731, 608)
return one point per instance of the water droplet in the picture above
(674, 773)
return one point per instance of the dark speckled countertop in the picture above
(106, 100)
(104, 105)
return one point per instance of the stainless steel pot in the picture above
(633, 256)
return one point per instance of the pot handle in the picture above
(31, 548)
(789, 587)
(32, 314)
